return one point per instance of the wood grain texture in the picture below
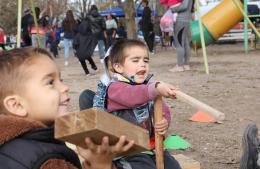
(96, 124)
(158, 116)
(200, 106)
(186, 162)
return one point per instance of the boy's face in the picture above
(45, 97)
(136, 64)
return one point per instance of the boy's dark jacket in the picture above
(27, 144)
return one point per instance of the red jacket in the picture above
(2, 39)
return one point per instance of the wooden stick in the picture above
(158, 116)
(200, 106)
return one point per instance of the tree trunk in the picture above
(129, 10)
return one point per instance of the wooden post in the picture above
(19, 21)
(200, 106)
(158, 116)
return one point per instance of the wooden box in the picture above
(96, 124)
(186, 162)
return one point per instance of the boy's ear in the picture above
(118, 67)
(13, 104)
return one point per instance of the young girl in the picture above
(130, 96)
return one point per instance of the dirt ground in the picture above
(233, 87)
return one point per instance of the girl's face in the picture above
(136, 64)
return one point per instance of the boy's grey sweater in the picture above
(184, 11)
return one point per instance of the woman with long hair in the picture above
(68, 26)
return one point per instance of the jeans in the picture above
(38, 42)
(67, 46)
(101, 49)
(86, 99)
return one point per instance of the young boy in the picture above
(130, 96)
(32, 95)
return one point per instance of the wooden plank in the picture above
(186, 162)
(96, 124)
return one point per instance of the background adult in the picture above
(110, 33)
(98, 27)
(147, 26)
(27, 41)
(38, 37)
(182, 35)
(68, 26)
(84, 43)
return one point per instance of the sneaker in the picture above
(177, 69)
(186, 67)
(102, 61)
(250, 145)
(66, 63)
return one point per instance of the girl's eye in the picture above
(135, 60)
(146, 61)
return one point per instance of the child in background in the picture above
(32, 95)
(130, 96)
(171, 4)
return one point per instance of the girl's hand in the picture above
(161, 127)
(166, 90)
(101, 156)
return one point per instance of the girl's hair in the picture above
(69, 21)
(117, 53)
(13, 66)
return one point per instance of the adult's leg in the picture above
(151, 41)
(34, 40)
(101, 50)
(86, 99)
(92, 63)
(84, 66)
(179, 42)
(147, 40)
(187, 48)
(66, 50)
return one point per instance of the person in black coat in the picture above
(84, 43)
(147, 26)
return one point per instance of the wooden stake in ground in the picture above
(158, 116)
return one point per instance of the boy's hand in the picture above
(101, 156)
(166, 90)
(161, 127)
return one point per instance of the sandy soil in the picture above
(233, 87)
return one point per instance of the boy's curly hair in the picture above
(13, 65)
(117, 53)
